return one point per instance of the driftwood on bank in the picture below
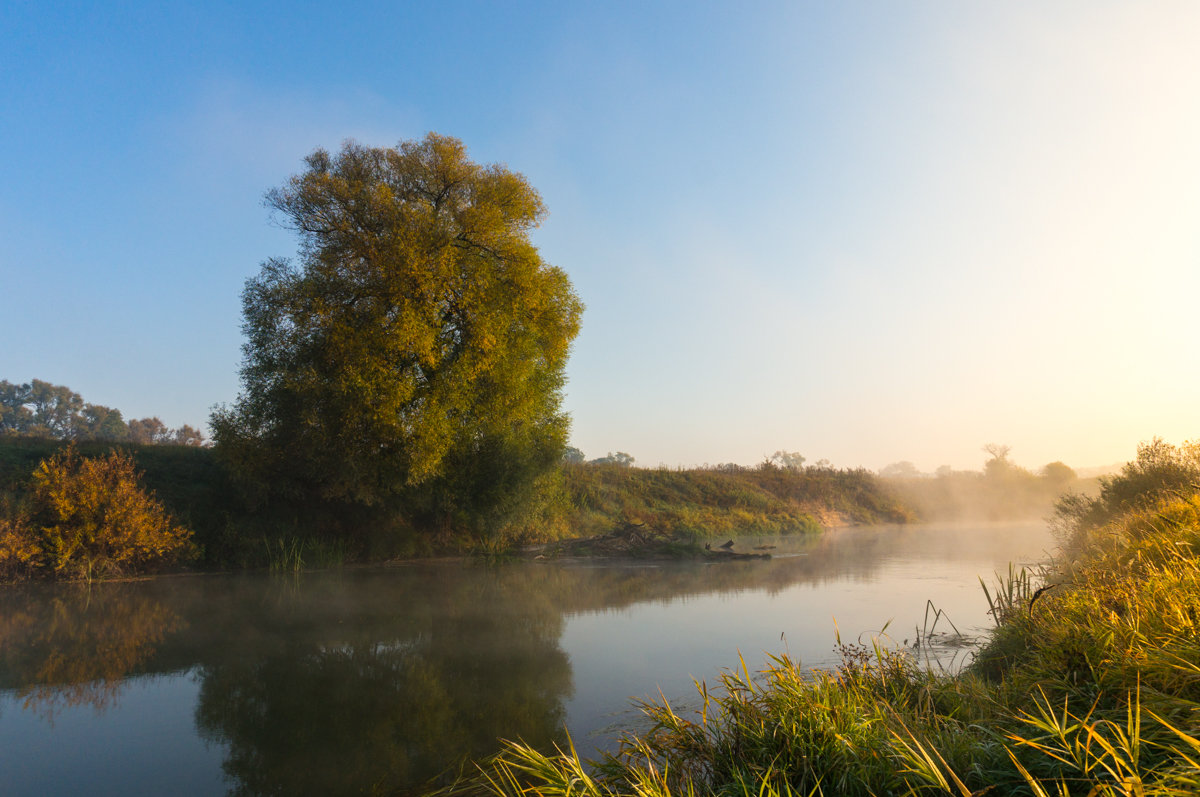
(637, 541)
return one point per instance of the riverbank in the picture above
(1088, 684)
(720, 502)
(233, 531)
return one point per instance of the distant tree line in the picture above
(40, 409)
(1001, 490)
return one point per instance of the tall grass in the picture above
(1089, 684)
(296, 554)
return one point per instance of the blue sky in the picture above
(865, 231)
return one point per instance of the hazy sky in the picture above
(865, 231)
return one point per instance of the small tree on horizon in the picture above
(788, 460)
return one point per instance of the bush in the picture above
(89, 518)
(1160, 471)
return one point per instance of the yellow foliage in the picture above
(90, 517)
(19, 551)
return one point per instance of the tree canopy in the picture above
(419, 341)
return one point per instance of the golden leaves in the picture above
(90, 517)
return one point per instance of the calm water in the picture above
(379, 680)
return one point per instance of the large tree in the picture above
(419, 342)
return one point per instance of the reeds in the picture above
(296, 554)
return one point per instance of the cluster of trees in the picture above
(42, 409)
(1001, 490)
(781, 460)
(405, 372)
(789, 461)
(997, 466)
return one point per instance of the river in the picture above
(385, 679)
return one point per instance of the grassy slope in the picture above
(1090, 688)
(696, 503)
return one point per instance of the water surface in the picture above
(379, 680)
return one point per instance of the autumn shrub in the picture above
(17, 554)
(89, 517)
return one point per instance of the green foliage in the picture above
(295, 554)
(38, 408)
(1160, 470)
(790, 460)
(415, 356)
(89, 517)
(619, 458)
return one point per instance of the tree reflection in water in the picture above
(389, 692)
(77, 645)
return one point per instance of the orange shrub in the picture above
(19, 550)
(90, 517)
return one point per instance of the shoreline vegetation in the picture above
(219, 525)
(1088, 684)
(676, 510)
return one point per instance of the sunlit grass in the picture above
(1089, 684)
(703, 502)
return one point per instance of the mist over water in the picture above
(386, 678)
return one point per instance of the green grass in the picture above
(1090, 686)
(708, 502)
